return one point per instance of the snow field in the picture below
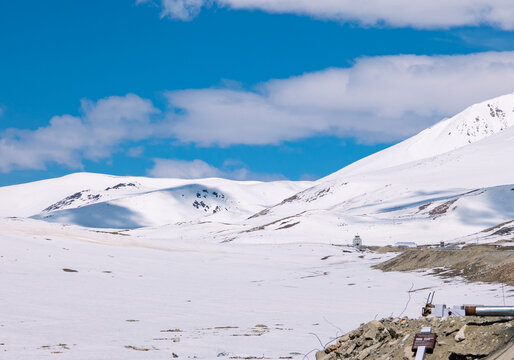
(126, 301)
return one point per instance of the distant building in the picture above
(357, 241)
(406, 244)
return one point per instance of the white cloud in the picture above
(196, 169)
(67, 139)
(182, 9)
(396, 13)
(172, 168)
(378, 99)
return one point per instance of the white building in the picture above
(406, 244)
(357, 241)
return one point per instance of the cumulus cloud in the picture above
(179, 9)
(378, 99)
(196, 169)
(421, 14)
(173, 168)
(66, 140)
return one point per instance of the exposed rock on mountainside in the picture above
(71, 200)
(119, 186)
(458, 338)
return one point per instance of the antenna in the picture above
(503, 291)
(427, 309)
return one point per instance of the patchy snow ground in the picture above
(148, 299)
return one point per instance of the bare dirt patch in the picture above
(288, 226)
(140, 348)
(485, 263)
(442, 209)
(263, 227)
(171, 330)
(499, 226)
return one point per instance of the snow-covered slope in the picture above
(449, 181)
(75, 293)
(95, 200)
(475, 123)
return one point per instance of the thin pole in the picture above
(420, 353)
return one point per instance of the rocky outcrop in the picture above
(458, 338)
(485, 263)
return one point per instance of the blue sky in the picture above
(233, 88)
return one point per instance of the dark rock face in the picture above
(119, 186)
(70, 200)
(84, 196)
(207, 195)
(67, 201)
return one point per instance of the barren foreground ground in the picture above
(458, 338)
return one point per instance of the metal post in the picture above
(420, 353)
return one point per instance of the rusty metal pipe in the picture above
(489, 310)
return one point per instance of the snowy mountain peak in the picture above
(481, 120)
(475, 123)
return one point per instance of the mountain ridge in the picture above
(447, 182)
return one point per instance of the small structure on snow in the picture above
(357, 241)
(408, 244)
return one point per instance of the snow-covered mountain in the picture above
(448, 182)
(451, 180)
(475, 123)
(104, 201)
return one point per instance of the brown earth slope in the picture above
(487, 263)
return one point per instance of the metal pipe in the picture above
(489, 310)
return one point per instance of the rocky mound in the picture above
(486, 263)
(458, 338)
